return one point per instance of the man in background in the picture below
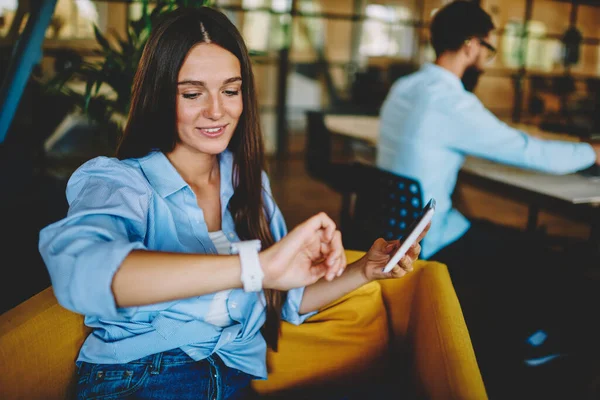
(509, 285)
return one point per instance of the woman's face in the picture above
(209, 99)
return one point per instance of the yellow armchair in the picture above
(415, 321)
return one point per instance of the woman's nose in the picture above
(214, 108)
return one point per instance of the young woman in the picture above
(145, 252)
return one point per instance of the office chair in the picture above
(384, 205)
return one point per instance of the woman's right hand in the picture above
(309, 252)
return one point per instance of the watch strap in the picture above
(252, 273)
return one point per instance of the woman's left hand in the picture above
(380, 253)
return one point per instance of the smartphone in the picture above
(414, 231)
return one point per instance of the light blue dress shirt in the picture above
(429, 123)
(118, 206)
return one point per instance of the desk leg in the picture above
(532, 218)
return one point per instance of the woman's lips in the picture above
(213, 132)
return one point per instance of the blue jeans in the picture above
(168, 375)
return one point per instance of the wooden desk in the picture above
(572, 195)
(361, 127)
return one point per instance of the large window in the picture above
(385, 32)
(534, 51)
(257, 25)
(265, 31)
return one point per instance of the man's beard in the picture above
(471, 77)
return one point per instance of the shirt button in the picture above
(233, 304)
(231, 235)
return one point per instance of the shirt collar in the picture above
(444, 74)
(165, 179)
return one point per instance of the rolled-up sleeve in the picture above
(291, 307)
(107, 219)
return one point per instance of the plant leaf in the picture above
(101, 39)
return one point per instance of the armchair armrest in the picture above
(39, 342)
(425, 313)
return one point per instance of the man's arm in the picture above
(480, 133)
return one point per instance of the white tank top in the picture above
(217, 311)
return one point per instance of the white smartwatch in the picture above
(252, 273)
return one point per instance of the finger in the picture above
(392, 246)
(397, 272)
(344, 262)
(422, 235)
(317, 272)
(333, 266)
(379, 245)
(336, 258)
(326, 224)
(317, 223)
(414, 251)
(335, 269)
(325, 249)
(406, 263)
(335, 248)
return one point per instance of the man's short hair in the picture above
(456, 22)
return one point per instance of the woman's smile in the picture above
(214, 131)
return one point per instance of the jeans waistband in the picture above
(174, 356)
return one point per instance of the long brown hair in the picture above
(152, 122)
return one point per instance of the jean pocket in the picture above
(112, 380)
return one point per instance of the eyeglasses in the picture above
(491, 49)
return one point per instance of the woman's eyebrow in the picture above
(231, 80)
(203, 84)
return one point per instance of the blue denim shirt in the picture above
(118, 206)
(429, 123)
